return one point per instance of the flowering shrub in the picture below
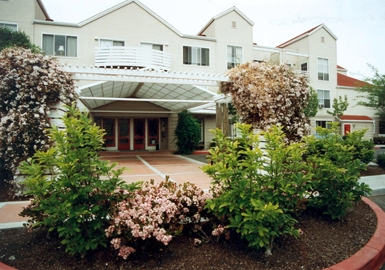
(73, 190)
(336, 165)
(30, 84)
(155, 212)
(256, 193)
(266, 95)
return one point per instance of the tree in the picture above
(339, 106)
(31, 84)
(374, 90)
(312, 107)
(187, 133)
(265, 95)
(10, 38)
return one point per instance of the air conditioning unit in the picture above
(320, 106)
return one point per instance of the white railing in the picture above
(301, 72)
(119, 56)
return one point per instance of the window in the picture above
(234, 56)
(152, 46)
(108, 43)
(381, 127)
(324, 124)
(60, 45)
(323, 69)
(304, 67)
(196, 56)
(324, 98)
(10, 26)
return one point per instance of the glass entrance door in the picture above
(109, 127)
(139, 137)
(124, 134)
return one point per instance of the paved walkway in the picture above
(143, 166)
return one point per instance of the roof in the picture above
(42, 7)
(116, 7)
(343, 80)
(356, 118)
(306, 34)
(240, 13)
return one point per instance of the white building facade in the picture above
(135, 72)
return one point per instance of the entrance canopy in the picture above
(171, 91)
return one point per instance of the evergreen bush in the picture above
(187, 133)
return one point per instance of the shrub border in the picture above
(370, 257)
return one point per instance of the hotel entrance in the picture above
(131, 133)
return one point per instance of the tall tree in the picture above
(374, 93)
(265, 95)
(11, 38)
(312, 107)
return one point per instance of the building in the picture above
(134, 71)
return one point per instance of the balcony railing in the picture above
(119, 56)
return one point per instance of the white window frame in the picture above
(327, 123)
(60, 34)
(321, 101)
(227, 56)
(152, 44)
(324, 74)
(197, 62)
(112, 40)
(3, 24)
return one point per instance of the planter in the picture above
(372, 255)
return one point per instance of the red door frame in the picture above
(124, 139)
(139, 134)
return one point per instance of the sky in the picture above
(358, 24)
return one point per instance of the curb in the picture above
(372, 255)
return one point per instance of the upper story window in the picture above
(60, 45)
(196, 56)
(323, 69)
(324, 98)
(152, 46)
(10, 26)
(109, 42)
(234, 56)
(304, 66)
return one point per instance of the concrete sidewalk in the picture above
(143, 166)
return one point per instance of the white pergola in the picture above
(172, 90)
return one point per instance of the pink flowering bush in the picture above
(30, 85)
(155, 212)
(265, 95)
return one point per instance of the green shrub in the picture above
(336, 167)
(381, 160)
(187, 133)
(72, 188)
(362, 149)
(254, 193)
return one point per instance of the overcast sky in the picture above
(358, 24)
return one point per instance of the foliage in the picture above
(362, 149)
(374, 93)
(379, 140)
(10, 38)
(265, 95)
(336, 168)
(339, 106)
(257, 193)
(72, 189)
(155, 212)
(187, 133)
(312, 107)
(381, 160)
(31, 84)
